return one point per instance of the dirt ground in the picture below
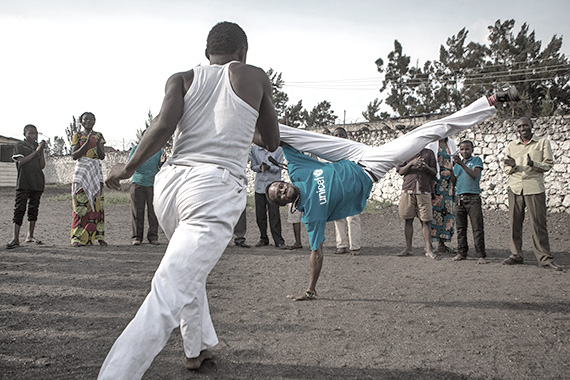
(377, 316)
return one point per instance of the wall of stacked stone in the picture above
(490, 138)
(59, 169)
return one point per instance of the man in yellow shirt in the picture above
(526, 161)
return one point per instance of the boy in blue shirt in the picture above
(466, 177)
(330, 191)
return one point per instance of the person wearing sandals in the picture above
(88, 218)
(466, 176)
(526, 160)
(30, 162)
(443, 222)
(347, 230)
(327, 191)
(416, 197)
(240, 229)
(266, 172)
(294, 218)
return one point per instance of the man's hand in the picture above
(509, 161)
(114, 178)
(41, 145)
(457, 160)
(529, 160)
(447, 165)
(264, 167)
(418, 163)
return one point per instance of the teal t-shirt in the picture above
(465, 183)
(144, 175)
(329, 191)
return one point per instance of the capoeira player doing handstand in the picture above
(337, 189)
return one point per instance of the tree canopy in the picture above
(466, 71)
(463, 71)
(74, 127)
(295, 115)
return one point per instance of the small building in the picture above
(8, 171)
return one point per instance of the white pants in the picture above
(197, 207)
(379, 160)
(348, 232)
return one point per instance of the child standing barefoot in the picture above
(30, 161)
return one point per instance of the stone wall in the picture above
(59, 169)
(8, 174)
(490, 139)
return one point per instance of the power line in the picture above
(367, 84)
(528, 68)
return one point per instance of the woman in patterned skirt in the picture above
(443, 222)
(87, 148)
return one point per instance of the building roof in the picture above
(8, 140)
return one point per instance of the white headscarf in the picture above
(434, 147)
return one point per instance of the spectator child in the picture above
(30, 161)
(466, 176)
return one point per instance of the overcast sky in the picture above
(63, 57)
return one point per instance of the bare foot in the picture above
(103, 243)
(307, 296)
(405, 252)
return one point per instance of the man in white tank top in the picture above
(215, 112)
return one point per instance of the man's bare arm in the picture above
(430, 170)
(23, 160)
(267, 128)
(78, 150)
(415, 163)
(42, 155)
(473, 173)
(253, 86)
(315, 267)
(316, 264)
(100, 149)
(163, 125)
(159, 131)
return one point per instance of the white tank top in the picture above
(217, 126)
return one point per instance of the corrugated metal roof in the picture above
(8, 140)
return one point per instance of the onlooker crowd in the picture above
(441, 187)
